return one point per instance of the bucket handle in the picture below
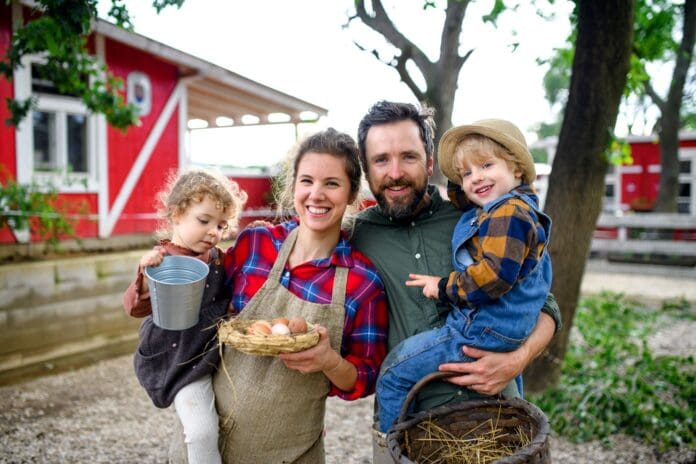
(433, 376)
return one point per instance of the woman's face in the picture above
(321, 192)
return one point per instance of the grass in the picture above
(612, 382)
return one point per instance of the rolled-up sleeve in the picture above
(365, 331)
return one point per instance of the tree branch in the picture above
(406, 77)
(452, 29)
(652, 93)
(382, 24)
(684, 53)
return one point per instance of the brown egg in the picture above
(280, 320)
(259, 328)
(297, 325)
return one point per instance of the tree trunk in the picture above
(576, 184)
(440, 76)
(671, 109)
(669, 162)
(441, 97)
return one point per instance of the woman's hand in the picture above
(152, 258)
(429, 284)
(322, 358)
(318, 358)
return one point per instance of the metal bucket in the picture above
(176, 291)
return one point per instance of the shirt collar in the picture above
(342, 254)
(177, 250)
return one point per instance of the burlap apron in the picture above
(269, 413)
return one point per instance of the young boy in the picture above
(502, 268)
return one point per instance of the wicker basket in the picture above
(460, 419)
(233, 333)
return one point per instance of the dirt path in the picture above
(100, 414)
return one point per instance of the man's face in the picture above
(398, 168)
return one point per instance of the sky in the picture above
(300, 47)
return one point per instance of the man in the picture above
(409, 231)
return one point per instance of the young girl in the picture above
(176, 365)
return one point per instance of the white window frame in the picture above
(61, 106)
(611, 205)
(689, 154)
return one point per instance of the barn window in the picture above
(59, 143)
(610, 200)
(686, 201)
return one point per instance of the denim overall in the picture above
(501, 325)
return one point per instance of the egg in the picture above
(280, 329)
(297, 325)
(280, 320)
(259, 328)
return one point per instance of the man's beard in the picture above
(407, 207)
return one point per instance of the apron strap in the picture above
(282, 258)
(338, 295)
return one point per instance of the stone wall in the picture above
(64, 313)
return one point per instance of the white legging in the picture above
(195, 406)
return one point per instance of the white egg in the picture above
(280, 329)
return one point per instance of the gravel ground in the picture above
(100, 414)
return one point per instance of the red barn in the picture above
(634, 187)
(115, 174)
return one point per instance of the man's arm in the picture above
(491, 372)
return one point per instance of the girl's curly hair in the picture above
(192, 186)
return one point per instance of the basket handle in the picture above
(437, 375)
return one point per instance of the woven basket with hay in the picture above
(476, 431)
(236, 333)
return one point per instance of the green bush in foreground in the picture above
(612, 383)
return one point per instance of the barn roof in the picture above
(214, 91)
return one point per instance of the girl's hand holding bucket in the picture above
(152, 258)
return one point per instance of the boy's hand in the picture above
(429, 284)
(152, 258)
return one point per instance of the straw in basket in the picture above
(522, 427)
(233, 333)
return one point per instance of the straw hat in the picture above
(502, 131)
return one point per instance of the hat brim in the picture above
(450, 139)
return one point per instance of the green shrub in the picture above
(612, 383)
(36, 209)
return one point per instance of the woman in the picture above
(272, 409)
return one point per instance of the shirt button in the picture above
(459, 393)
(418, 255)
(207, 285)
(413, 224)
(213, 298)
(173, 345)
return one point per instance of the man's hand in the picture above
(490, 373)
(429, 284)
